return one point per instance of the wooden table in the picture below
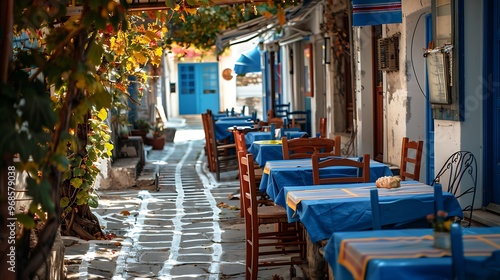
(298, 172)
(403, 254)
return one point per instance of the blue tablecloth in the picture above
(221, 127)
(265, 152)
(261, 135)
(398, 267)
(237, 118)
(298, 172)
(324, 216)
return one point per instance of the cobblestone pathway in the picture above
(187, 229)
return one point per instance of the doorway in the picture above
(198, 88)
(378, 100)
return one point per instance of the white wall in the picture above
(467, 135)
(405, 101)
(450, 136)
(363, 90)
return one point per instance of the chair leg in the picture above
(255, 254)
(217, 171)
(248, 260)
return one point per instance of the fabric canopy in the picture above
(248, 62)
(375, 12)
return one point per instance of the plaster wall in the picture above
(312, 24)
(103, 179)
(405, 89)
(173, 97)
(364, 116)
(467, 135)
(406, 104)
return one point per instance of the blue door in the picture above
(198, 88)
(492, 103)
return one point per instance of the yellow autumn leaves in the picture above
(136, 51)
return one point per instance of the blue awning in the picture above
(375, 12)
(248, 62)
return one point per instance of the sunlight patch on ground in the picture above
(182, 135)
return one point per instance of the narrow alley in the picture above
(187, 229)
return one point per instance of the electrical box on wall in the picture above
(388, 53)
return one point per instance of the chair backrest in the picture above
(322, 127)
(239, 140)
(324, 160)
(411, 154)
(300, 119)
(281, 110)
(305, 147)
(457, 252)
(459, 174)
(389, 212)
(465, 268)
(248, 190)
(284, 130)
(206, 119)
(278, 122)
(242, 169)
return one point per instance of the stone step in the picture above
(124, 172)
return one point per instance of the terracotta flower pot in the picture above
(157, 143)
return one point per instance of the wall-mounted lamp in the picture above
(326, 50)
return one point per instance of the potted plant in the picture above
(157, 141)
(141, 128)
(122, 126)
(442, 225)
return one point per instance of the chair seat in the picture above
(271, 214)
(258, 173)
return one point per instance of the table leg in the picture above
(316, 262)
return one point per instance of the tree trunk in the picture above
(6, 21)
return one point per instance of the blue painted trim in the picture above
(429, 120)
(266, 98)
(490, 23)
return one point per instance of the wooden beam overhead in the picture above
(148, 5)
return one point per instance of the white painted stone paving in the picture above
(177, 232)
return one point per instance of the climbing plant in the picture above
(59, 86)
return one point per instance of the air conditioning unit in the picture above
(388, 53)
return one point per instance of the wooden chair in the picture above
(281, 110)
(300, 119)
(278, 122)
(387, 213)
(218, 153)
(323, 160)
(464, 268)
(239, 139)
(322, 128)
(208, 146)
(460, 173)
(285, 131)
(411, 154)
(287, 240)
(305, 147)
